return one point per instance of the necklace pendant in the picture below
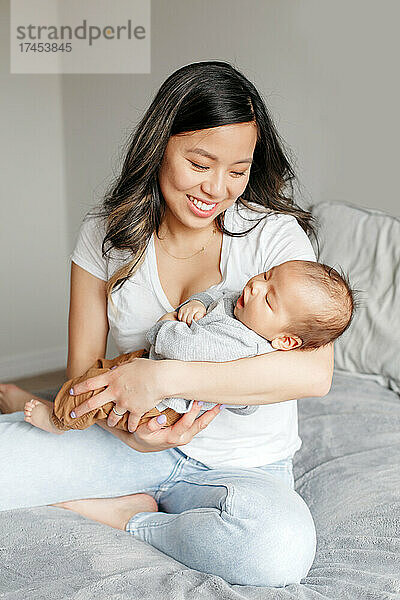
(186, 257)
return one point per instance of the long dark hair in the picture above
(197, 96)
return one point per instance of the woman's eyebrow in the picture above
(203, 152)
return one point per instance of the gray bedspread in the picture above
(347, 470)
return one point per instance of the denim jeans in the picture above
(246, 525)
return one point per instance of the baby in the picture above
(298, 304)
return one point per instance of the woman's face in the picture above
(211, 166)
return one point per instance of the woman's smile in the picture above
(201, 209)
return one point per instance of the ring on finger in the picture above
(117, 413)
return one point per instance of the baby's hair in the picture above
(319, 327)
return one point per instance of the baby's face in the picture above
(270, 300)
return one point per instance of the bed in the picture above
(347, 470)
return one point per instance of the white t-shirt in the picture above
(269, 434)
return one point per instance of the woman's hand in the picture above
(152, 437)
(193, 310)
(135, 386)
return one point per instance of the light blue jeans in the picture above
(248, 526)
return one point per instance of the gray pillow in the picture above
(366, 244)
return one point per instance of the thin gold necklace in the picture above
(191, 256)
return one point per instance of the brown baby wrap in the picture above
(64, 403)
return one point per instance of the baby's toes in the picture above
(29, 406)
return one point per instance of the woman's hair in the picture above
(197, 96)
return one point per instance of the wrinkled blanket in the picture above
(347, 470)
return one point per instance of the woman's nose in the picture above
(214, 186)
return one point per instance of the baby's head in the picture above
(298, 304)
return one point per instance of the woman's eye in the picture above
(197, 166)
(236, 173)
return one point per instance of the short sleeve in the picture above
(286, 240)
(87, 252)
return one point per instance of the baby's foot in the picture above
(38, 414)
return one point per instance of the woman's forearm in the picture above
(124, 436)
(131, 440)
(264, 379)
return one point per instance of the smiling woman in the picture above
(206, 139)
(207, 190)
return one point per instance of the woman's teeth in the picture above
(201, 205)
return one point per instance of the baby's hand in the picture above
(193, 310)
(171, 316)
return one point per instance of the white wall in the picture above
(33, 220)
(327, 69)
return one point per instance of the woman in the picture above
(170, 227)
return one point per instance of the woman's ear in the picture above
(286, 342)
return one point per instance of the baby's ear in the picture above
(286, 342)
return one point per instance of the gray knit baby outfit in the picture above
(218, 337)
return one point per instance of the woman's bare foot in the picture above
(114, 512)
(39, 414)
(13, 398)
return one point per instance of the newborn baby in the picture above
(298, 304)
